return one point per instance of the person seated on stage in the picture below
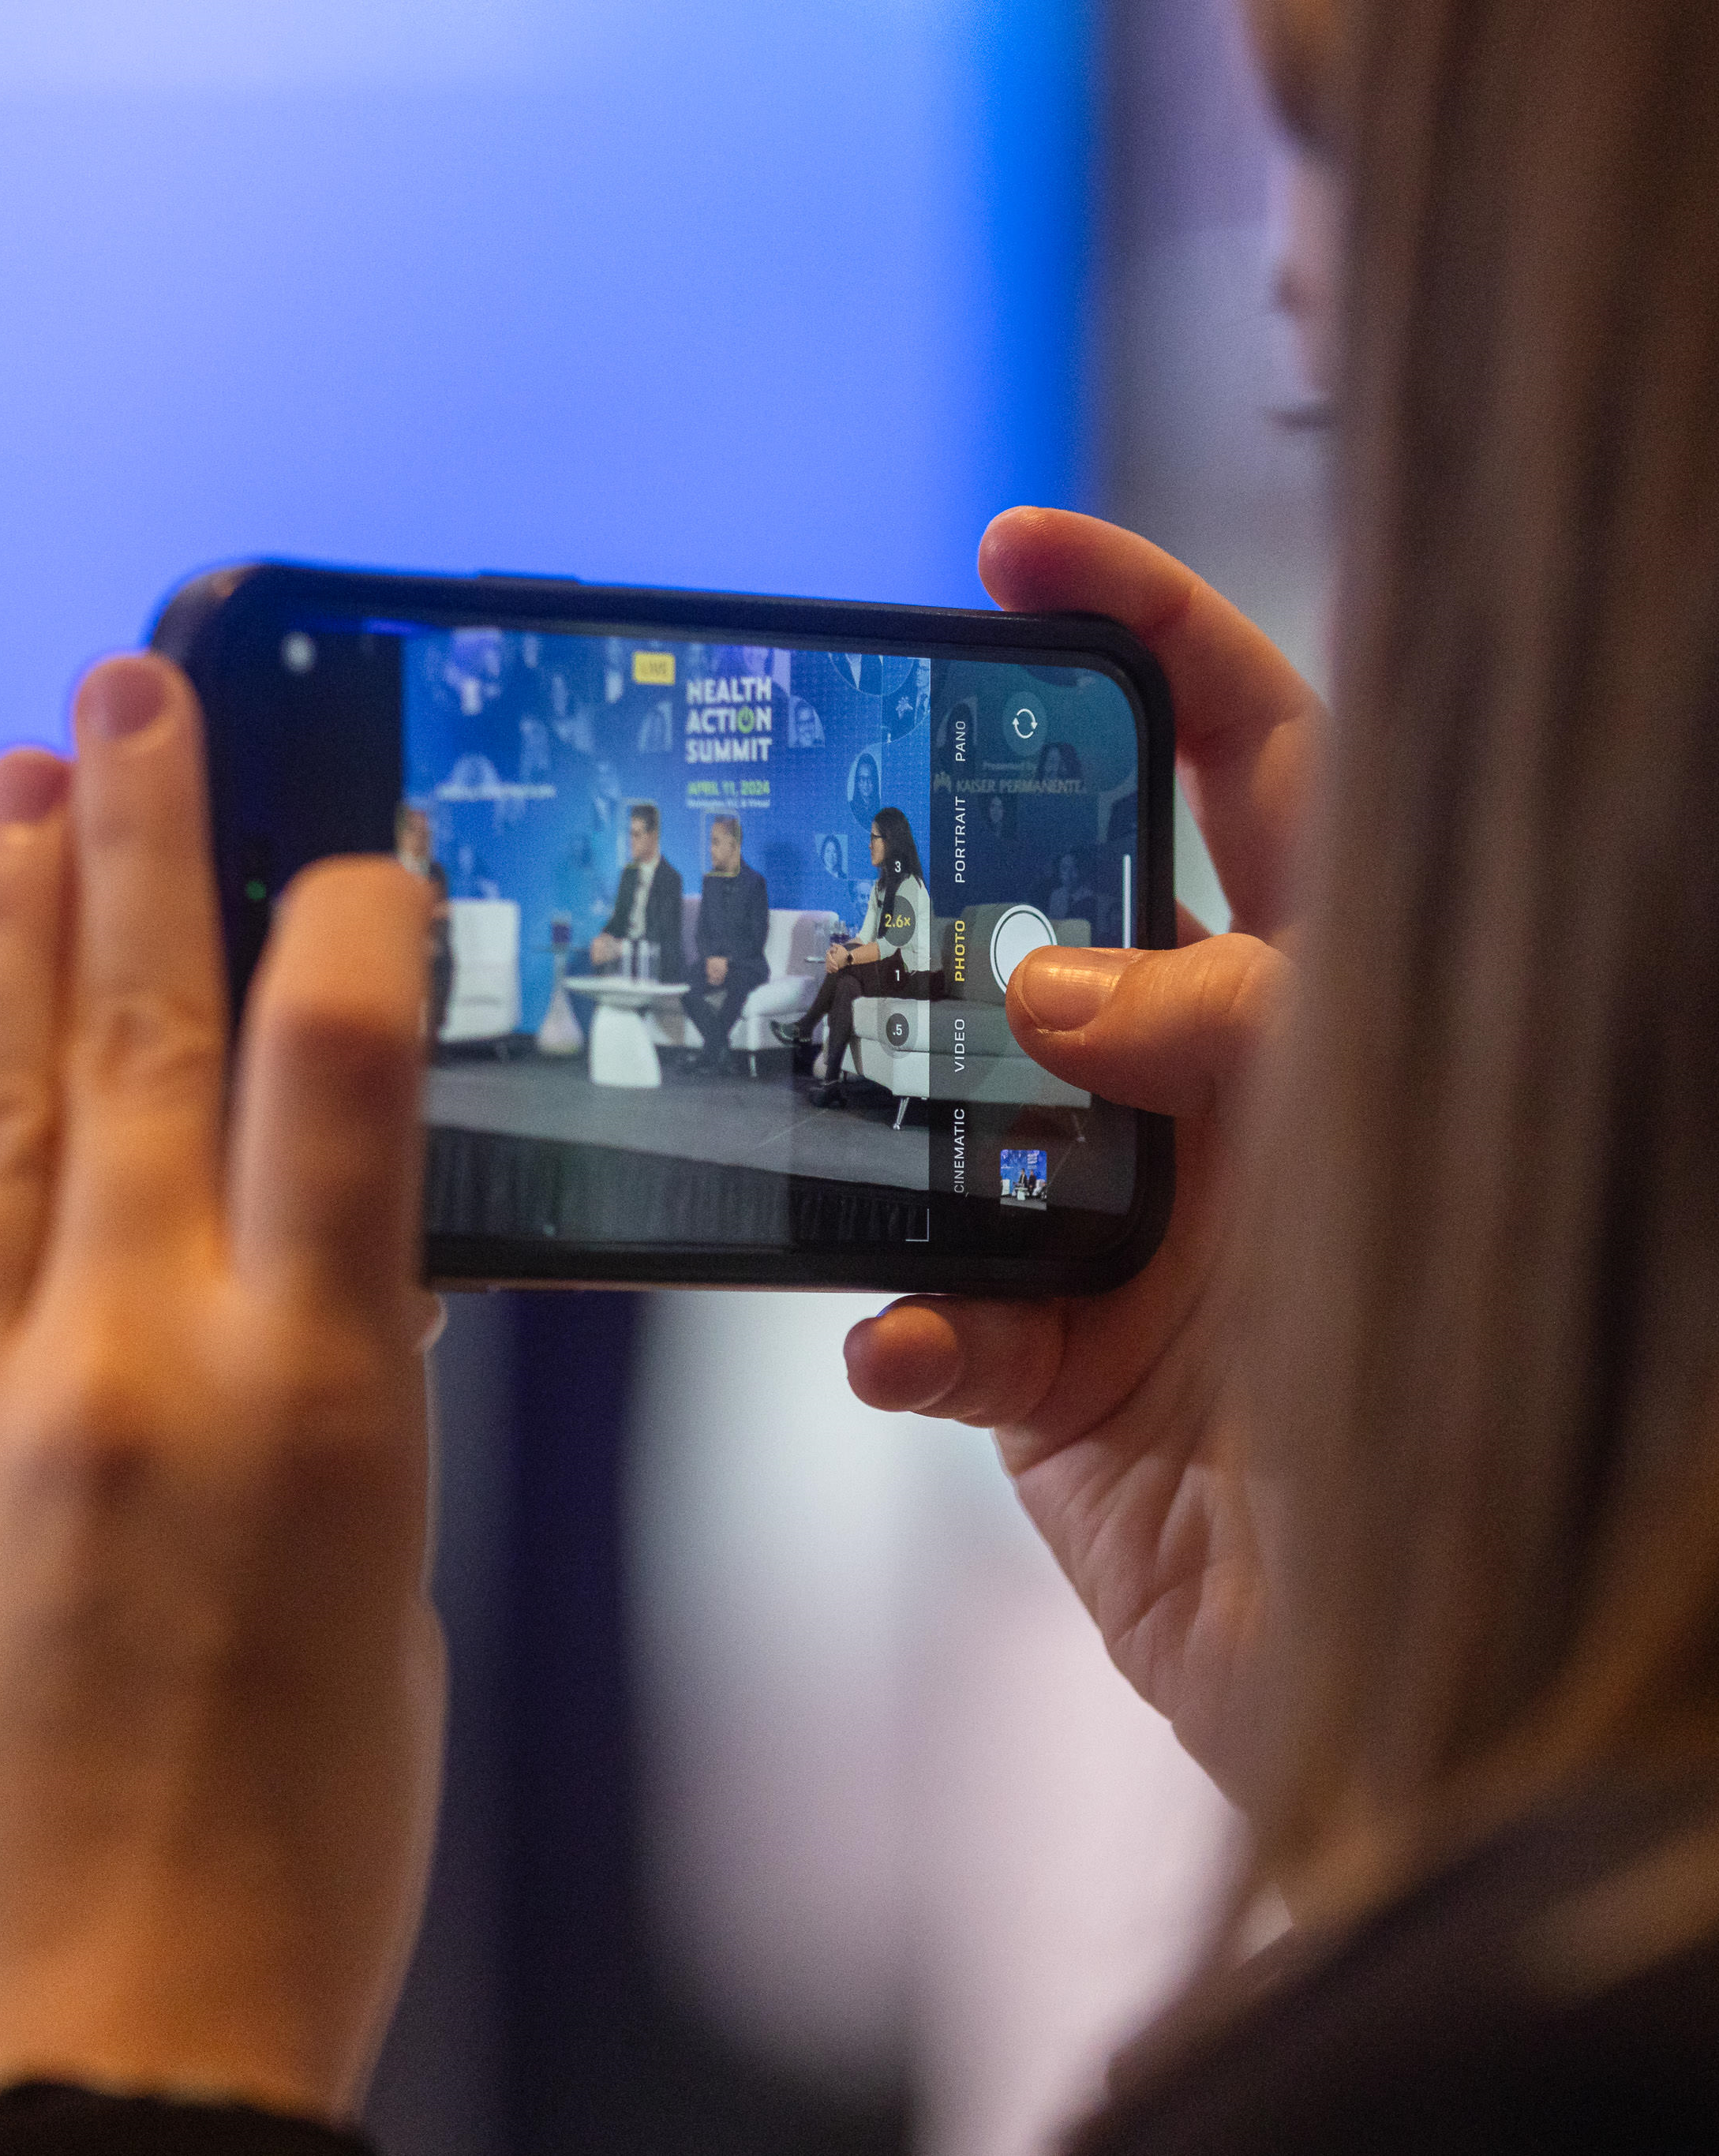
(891, 956)
(648, 904)
(441, 953)
(414, 849)
(733, 926)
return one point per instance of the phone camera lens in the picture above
(298, 652)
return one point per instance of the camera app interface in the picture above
(723, 935)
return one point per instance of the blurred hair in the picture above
(1486, 1399)
(726, 823)
(645, 813)
(1300, 46)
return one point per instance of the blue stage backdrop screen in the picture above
(530, 752)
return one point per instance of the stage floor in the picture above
(765, 1122)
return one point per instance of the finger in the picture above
(1247, 725)
(980, 1363)
(327, 1151)
(1173, 1032)
(145, 1071)
(33, 787)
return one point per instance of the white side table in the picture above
(622, 1050)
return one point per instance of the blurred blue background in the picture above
(767, 297)
(770, 296)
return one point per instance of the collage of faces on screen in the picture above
(755, 906)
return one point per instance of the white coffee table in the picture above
(622, 1050)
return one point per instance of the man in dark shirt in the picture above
(648, 904)
(733, 924)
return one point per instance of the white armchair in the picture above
(891, 1046)
(485, 1003)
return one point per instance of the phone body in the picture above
(563, 758)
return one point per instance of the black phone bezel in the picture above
(207, 618)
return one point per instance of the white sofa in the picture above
(485, 1004)
(790, 950)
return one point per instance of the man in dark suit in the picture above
(733, 923)
(648, 904)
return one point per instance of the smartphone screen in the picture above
(723, 928)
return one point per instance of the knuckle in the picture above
(321, 1367)
(328, 1414)
(1242, 991)
(315, 1395)
(90, 1437)
(97, 1435)
(355, 1043)
(151, 1041)
(29, 1124)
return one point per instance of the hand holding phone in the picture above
(214, 1431)
(1108, 1413)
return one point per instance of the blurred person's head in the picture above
(724, 845)
(1488, 1401)
(412, 845)
(1059, 760)
(643, 831)
(893, 852)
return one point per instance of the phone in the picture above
(868, 814)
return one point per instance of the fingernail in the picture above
(1059, 991)
(120, 697)
(33, 785)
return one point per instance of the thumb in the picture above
(1170, 1031)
